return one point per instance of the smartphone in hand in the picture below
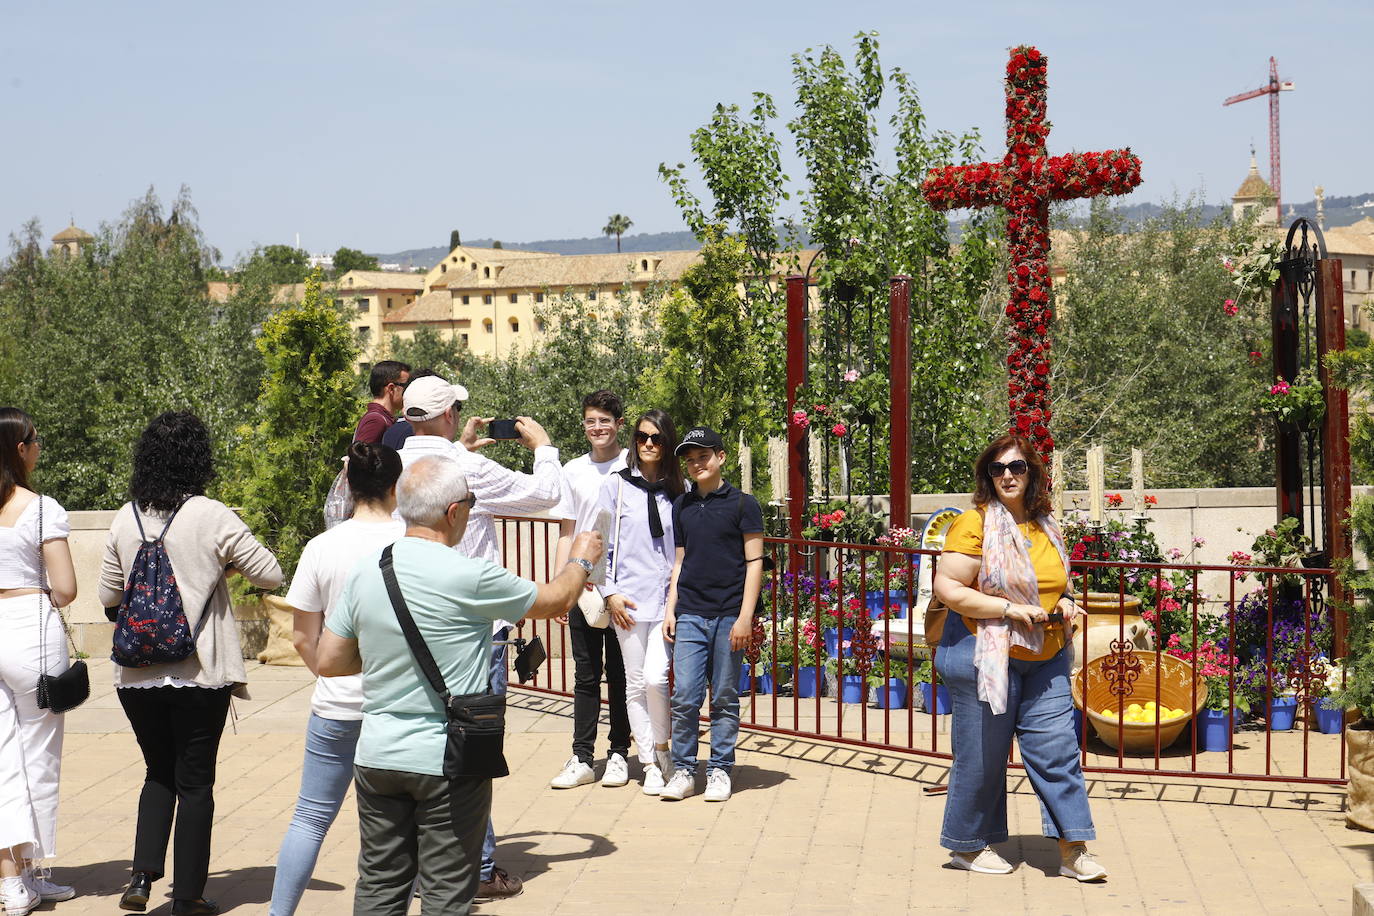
(502, 429)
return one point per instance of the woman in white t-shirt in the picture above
(31, 638)
(640, 564)
(336, 709)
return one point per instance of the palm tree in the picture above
(617, 225)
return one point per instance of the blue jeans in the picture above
(325, 778)
(701, 652)
(1040, 715)
(499, 678)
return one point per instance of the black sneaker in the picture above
(501, 886)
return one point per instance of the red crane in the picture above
(1272, 90)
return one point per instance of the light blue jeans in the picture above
(701, 655)
(325, 778)
(1040, 715)
(499, 678)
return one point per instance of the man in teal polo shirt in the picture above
(411, 819)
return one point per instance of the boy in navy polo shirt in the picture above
(710, 611)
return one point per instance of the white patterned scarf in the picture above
(1007, 572)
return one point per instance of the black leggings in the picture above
(178, 730)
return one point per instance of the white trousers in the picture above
(30, 738)
(646, 685)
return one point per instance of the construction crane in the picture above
(1272, 90)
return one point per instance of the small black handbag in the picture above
(476, 721)
(71, 688)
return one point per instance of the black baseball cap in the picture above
(700, 437)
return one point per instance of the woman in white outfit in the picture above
(31, 640)
(639, 564)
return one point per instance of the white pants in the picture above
(30, 738)
(646, 685)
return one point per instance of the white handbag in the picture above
(589, 601)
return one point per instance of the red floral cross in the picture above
(1024, 182)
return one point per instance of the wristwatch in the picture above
(585, 564)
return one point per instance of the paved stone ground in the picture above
(813, 828)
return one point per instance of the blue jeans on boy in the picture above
(499, 679)
(325, 778)
(1040, 715)
(701, 651)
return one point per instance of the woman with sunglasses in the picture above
(639, 566)
(1003, 656)
(31, 639)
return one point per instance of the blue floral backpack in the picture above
(151, 627)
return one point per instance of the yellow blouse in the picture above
(965, 536)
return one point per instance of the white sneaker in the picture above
(986, 862)
(1081, 865)
(617, 771)
(18, 898)
(46, 890)
(680, 785)
(717, 785)
(575, 773)
(653, 779)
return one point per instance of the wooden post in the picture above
(899, 389)
(1330, 306)
(797, 306)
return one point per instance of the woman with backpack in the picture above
(36, 577)
(177, 646)
(336, 708)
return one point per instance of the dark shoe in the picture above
(199, 907)
(136, 897)
(501, 886)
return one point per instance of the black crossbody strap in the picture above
(416, 642)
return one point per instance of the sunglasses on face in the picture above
(469, 502)
(642, 437)
(1017, 468)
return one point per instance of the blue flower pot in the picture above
(1330, 718)
(807, 682)
(851, 688)
(764, 683)
(892, 695)
(833, 640)
(896, 601)
(942, 705)
(746, 678)
(1282, 712)
(1215, 727)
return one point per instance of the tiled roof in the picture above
(434, 306)
(1354, 239)
(221, 290)
(1253, 187)
(356, 280)
(73, 234)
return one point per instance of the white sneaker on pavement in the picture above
(985, 861)
(717, 786)
(617, 771)
(680, 785)
(47, 891)
(575, 773)
(653, 779)
(18, 898)
(1081, 865)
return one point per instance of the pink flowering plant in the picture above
(1300, 401)
(1216, 667)
(841, 520)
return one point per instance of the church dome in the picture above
(73, 234)
(1253, 187)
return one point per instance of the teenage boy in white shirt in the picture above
(594, 650)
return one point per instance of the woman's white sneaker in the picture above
(680, 785)
(653, 779)
(985, 861)
(18, 898)
(617, 771)
(47, 891)
(1081, 865)
(575, 773)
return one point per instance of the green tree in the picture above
(1146, 355)
(282, 263)
(346, 259)
(303, 420)
(96, 345)
(617, 225)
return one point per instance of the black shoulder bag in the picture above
(68, 690)
(476, 721)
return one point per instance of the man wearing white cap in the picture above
(432, 405)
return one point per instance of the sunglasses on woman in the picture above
(1017, 468)
(642, 437)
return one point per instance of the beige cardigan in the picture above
(205, 537)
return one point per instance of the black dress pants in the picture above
(178, 729)
(590, 646)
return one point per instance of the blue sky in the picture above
(382, 127)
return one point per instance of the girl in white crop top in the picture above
(31, 639)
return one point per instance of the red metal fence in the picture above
(1246, 654)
